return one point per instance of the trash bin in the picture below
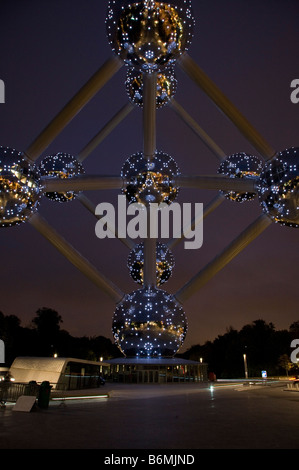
(44, 395)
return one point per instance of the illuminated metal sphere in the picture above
(61, 165)
(150, 182)
(166, 86)
(149, 323)
(20, 189)
(164, 263)
(241, 165)
(279, 188)
(149, 35)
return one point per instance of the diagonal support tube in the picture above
(194, 126)
(220, 261)
(224, 104)
(75, 258)
(105, 131)
(72, 108)
(210, 207)
(91, 207)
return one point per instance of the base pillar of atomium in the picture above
(138, 370)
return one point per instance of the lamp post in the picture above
(245, 366)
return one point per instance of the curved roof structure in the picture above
(26, 369)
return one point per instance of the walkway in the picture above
(161, 417)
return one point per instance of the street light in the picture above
(245, 366)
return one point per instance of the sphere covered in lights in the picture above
(241, 165)
(20, 189)
(149, 323)
(279, 188)
(150, 181)
(164, 263)
(61, 165)
(149, 35)
(166, 86)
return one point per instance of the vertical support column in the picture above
(149, 149)
(149, 114)
(149, 268)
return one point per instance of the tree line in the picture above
(265, 347)
(44, 337)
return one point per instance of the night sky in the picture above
(49, 49)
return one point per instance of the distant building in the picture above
(164, 370)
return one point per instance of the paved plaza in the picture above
(185, 416)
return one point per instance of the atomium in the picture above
(241, 165)
(149, 322)
(61, 165)
(166, 86)
(20, 188)
(150, 181)
(164, 263)
(278, 188)
(149, 35)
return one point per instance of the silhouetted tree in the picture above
(294, 330)
(285, 363)
(265, 348)
(261, 343)
(47, 322)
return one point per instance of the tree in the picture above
(261, 343)
(285, 363)
(47, 323)
(294, 329)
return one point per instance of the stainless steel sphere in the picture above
(150, 182)
(164, 263)
(166, 86)
(278, 188)
(20, 189)
(149, 323)
(61, 165)
(149, 35)
(241, 165)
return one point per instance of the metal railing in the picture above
(11, 391)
